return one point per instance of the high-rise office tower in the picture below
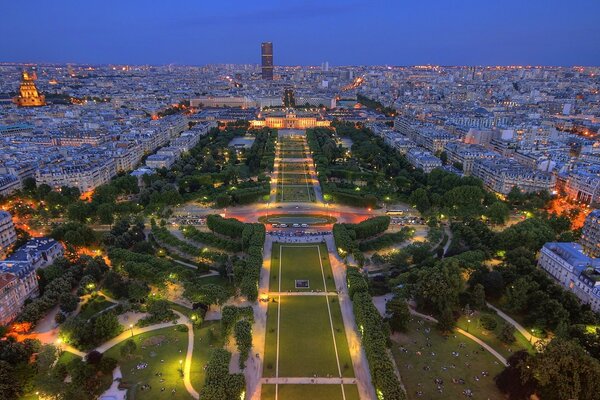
(266, 51)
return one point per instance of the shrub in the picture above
(488, 322)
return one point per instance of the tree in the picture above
(420, 200)
(498, 213)
(93, 357)
(564, 371)
(68, 302)
(399, 314)
(10, 387)
(493, 282)
(478, 297)
(105, 213)
(516, 380)
(128, 348)
(212, 294)
(506, 333)
(60, 317)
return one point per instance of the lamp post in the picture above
(468, 324)
(181, 367)
(131, 329)
(531, 337)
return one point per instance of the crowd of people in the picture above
(298, 236)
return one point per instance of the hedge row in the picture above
(211, 239)
(346, 235)
(370, 227)
(231, 314)
(219, 384)
(162, 235)
(229, 227)
(374, 339)
(385, 240)
(254, 237)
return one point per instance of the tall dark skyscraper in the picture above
(266, 51)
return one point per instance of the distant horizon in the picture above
(303, 32)
(106, 64)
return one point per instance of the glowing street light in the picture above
(131, 329)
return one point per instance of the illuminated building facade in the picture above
(266, 52)
(28, 93)
(289, 120)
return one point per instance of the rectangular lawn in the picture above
(300, 262)
(312, 392)
(306, 346)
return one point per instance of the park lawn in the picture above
(312, 392)
(292, 153)
(294, 179)
(306, 346)
(299, 193)
(94, 306)
(470, 363)
(169, 349)
(293, 167)
(206, 339)
(300, 262)
(474, 328)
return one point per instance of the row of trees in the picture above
(374, 335)
(354, 238)
(219, 384)
(209, 239)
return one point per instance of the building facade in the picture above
(8, 235)
(266, 55)
(573, 270)
(590, 234)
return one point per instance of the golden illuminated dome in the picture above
(28, 93)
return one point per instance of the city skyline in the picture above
(305, 33)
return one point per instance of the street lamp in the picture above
(131, 329)
(531, 337)
(468, 324)
(181, 367)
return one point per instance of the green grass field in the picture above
(206, 339)
(427, 356)
(300, 262)
(291, 194)
(308, 329)
(94, 306)
(161, 350)
(292, 153)
(294, 179)
(293, 167)
(312, 392)
(474, 327)
(306, 346)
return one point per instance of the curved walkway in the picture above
(467, 334)
(532, 339)
(128, 333)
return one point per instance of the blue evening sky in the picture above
(306, 32)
